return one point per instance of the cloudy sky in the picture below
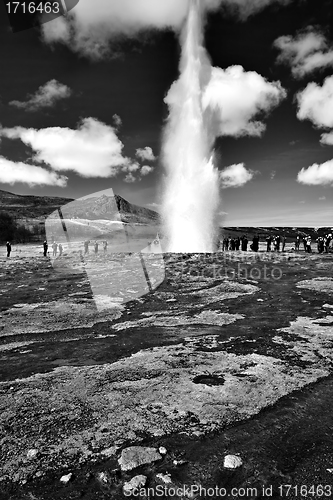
(82, 104)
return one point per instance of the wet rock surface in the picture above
(199, 367)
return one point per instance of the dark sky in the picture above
(133, 85)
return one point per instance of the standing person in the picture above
(304, 243)
(227, 242)
(96, 247)
(277, 242)
(237, 243)
(9, 248)
(105, 246)
(284, 239)
(327, 242)
(269, 243)
(244, 243)
(55, 248)
(308, 244)
(45, 247)
(86, 247)
(297, 243)
(320, 244)
(255, 243)
(60, 249)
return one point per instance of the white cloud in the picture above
(322, 198)
(273, 174)
(12, 172)
(327, 138)
(92, 150)
(57, 31)
(117, 121)
(145, 154)
(146, 169)
(316, 175)
(130, 178)
(235, 176)
(90, 27)
(237, 97)
(45, 97)
(315, 103)
(306, 52)
(130, 167)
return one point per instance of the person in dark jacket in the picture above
(45, 247)
(255, 243)
(269, 243)
(297, 243)
(284, 240)
(9, 248)
(237, 243)
(244, 243)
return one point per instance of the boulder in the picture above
(134, 456)
(66, 479)
(134, 484)
(232, 462)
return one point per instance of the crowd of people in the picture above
(273, 243)
(56, 247)
(276, 243)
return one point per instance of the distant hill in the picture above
(27, 208)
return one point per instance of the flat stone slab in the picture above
(134, 456)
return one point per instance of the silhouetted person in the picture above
(55, 248)
(284, 239)
(269, 243)
(255, 243)
(9, 248)
(320, 244)
(60, 249)
(105, 246)
(226, 243)
(45, 246)
(237, 243)
(96, 247)
(244, 243)
(86, 247)
(233, 244)
(304, 243)
(297, 243)
(277, 242)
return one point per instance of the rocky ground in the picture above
(230, 355)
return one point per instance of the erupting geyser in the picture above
(191, 195)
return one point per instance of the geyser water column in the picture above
(191, 190)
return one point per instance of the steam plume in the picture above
(191, 196)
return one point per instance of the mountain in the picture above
(27, 208)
